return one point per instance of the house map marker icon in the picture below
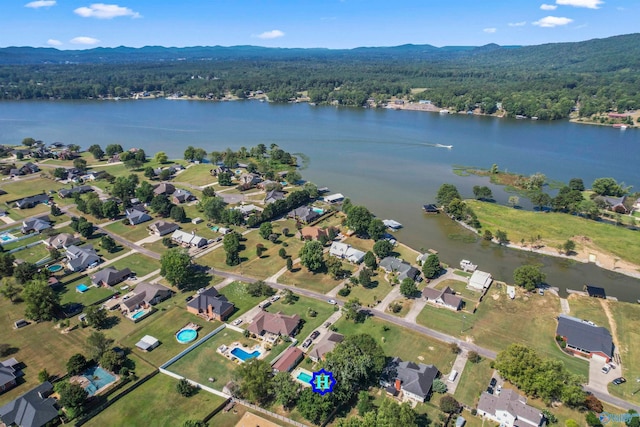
(322, 382)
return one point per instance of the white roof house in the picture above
(344, 251)
(479, 280)
(188, 239)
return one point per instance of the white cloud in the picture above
(273, 34)
(545, 6)
(40, 3)
(490, 30)
(54, 42)
(552, 21)
(589, 4)
(105, 11)
(517, 24)
(84, 40)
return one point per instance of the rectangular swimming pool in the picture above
(304, 377)
(318, 210)
(243, 355)
(138, 315)
(98, 378)
(82, 288)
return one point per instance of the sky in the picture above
(335, 24)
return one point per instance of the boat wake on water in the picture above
(438, 146)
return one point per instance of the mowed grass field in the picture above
(401, 342)
(157, 403)
(473, 381)
(500, 321)
(236, 292)
(556, 228)
(627, 318)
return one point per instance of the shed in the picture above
(147, 343)
(197, 220)
(460, 421)
(20, 323)
(479, 280)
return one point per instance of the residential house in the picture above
(61, 241)
(9, 373)
(314, 233)
(334, 198)
(36, 225)
(269, 326)
(304, 214)
(584, 338)
(30, 202)
(344, 251)
(79, 258)
(136, 216)
(445, 297)
(29, 168)
(273, 196)
(160, 228)
(164, 188)
(74, 174)
(288, 360)
(110, 276)
(91, 175)
(479, 281)
(403, 269)
(211, 305)
(326, 345)
(408, 380)
(615, 204)
(33, 409)
(247, 210)
(145, 295)
(220, 169)
(420, 259)
(509, 409)
(16, 153)
(81, 189)
(249, 179)
(268, 184)
(188, 239)
(182, 196)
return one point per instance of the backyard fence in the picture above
(198, 343)
(30, 245)
(269, 413)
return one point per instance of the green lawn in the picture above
(460, 288)
(33, 254)
(96, 239)
(157, 403)
(319, 282)
(132, 233)
(301, 307)
(406, 304)
(140, 264)
(589, 309)
(500, 321)
(556, 228)
(205, 362)
(156, 247)
(69, 294)
(27, 187)
(401, 342)
(197, 175)
(370, 296)
(163, 325)
(237, 294)
(473, 381)
(627, 317)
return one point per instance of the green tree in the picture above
(571, 423)
(376, 229)
(28, 142)
(133, 164)
(24, 272)
(358, 219)
(502, 237)
(568, 246)
(72, 397)
(633, 420)
(108, 244)
(311, 256)
(449, 405)
(473, 357)
(194, 423)
(110, 209)
(76, 364)
(60, 173)
(431, 266)
(266, 229)
(540, 199)
(80, 163)
(98, 344)
(289, 264)
(351, 309)
(85, 228)
(514, 201)
(44, 375)
(176, 267)
(487, 235)
(282, 253)
(608, 187)
(111, 360)
(364, 277)
(212, 207)
(189, 153)
(439, 387)
(256, 382)
(334, 268)
(224, 179)
(313, 406)
(178, 214)
(6, 264)
(185, 388)
(286, 389)
(370, 260)
(96, 316)
(149, 172)
(593, 420)
(161, 157)
(97, 152)
(113, 149)
(161, 205)
(482, 192)
(576, 184)
(528, 277)
(408, 288)
(9, 289)
(208, 192)
(446, 193)
(231, 245)
(364, 403)
(383, 248)
(40, 300)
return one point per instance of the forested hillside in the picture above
(546, 81)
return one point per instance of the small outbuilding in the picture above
(147, 343)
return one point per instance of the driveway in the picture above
(598, 380)
(458, 365)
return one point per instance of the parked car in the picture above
(314, 335)
(264, 304)
(306, 343)
(201, 290)
(498, 389)
(327, 324)
(619, 381)
(189, 298)
(490, 390)
(236, 322)
(332, 302)
(606, 368)
(275, 298)
(493, 382)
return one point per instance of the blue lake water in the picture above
(384, 159)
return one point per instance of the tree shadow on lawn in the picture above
(110, 322)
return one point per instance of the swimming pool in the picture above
(82, 288)
(138, 315)
(304, 377)
(55, 267)
(318, 210)
(6, 237)
(243, 355)
(186, 336)
(98, 378)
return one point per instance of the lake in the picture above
(384, 159)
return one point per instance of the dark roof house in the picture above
(211, 305)
(32, 409)
(585, 338)
(146, 294)
(61, 241)
(182, 196)
(164, 188)
(81, 189)
(110, 276)
(444, 297)
(30, 202)
(304, 214)
(414, 380)
(136, 217)
(161, 228)
(79, 258)
(275, 324)
(36, 225)
(273, 196)
(8, 374)
(404, 270)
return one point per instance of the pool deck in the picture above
(226, 351)
(84, 382)
(297, 371)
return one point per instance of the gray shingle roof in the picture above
(210, 297)
(31, 409)
(585, 336)
(110, 276)
(510, 401)
(415, 378)
(81, 257)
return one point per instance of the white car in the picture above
(332, 302)
(606, 368)
(275, 298)
(236, 322)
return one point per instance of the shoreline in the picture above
(628, 269)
